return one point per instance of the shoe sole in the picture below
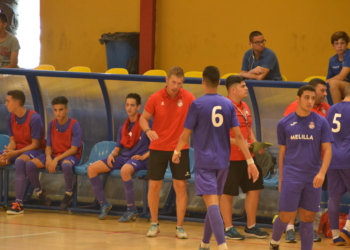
(318, 240)
(256, 236)
(345, 237)
(229, 238)
(14, 213)
(102, 218)
(291, 241)
(340, 244)
(133, 218)
(181, 238)
(152, 236)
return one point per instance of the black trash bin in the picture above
(122, 50)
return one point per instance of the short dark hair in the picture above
(18, 95)
(135, 96)
(316, 81)
(3, 18)
(211, 76)
(60, 100)
(233, 79)
(339, 35)
(304, 88)
(253, 34)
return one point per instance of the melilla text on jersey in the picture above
(301, 137)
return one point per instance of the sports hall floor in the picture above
(42, 229)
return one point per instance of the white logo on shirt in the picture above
(292, 124)
(162, 103)
(312, 125)
(130, 134)
(335, 67)
(179, 103)
(323, 111)
(133, 163)
(301, 137)
(187, 174)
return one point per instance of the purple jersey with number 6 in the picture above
(211, 117)
(339, 119)
(303, 138)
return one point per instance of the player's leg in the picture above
(33, 176)
(231, 188)
(94, 170)
(345, 232)
(157, 164)
(180, 173)
(21, 180)
(337, 87)
(129, 168)
(290, 195)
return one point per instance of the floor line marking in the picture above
(25, 235)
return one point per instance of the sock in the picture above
(216, 223)
(20, 180)
(96, 184)
(306, 232)
(33, 175)
(223, 246)
(290, 227)
(278, 229)
(129, 194)
(333, 211)
(68, 176)
(227, 228)
(250, 227)
(335, 232)
(204, 245)
(208, 232)
(69, 193)
(38, 191)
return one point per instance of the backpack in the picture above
(324, 226)
(266, 162)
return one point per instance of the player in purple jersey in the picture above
(302, 135)
(63, 151)
(339, 169)
(129, 155)
(210, 118)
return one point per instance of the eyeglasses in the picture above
(259, 42)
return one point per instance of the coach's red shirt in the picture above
(320, 109)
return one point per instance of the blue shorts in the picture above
(73, 159)
(299, 194)
(338, 181)
(31, 153)
(119, 162)
(210, 181)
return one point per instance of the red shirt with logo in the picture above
(320, 109)
(245, 120)
(169, 117)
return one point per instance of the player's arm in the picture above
(145, 117)
(341, 76)
(326, 160)
(247, 74)
(12, 143)
(253, 172)
(184, 138)
(9, 153)
(13, 60)
(280, 164)
(141, 157)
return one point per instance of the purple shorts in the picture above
(119, 162)
(31, 153)
(210, 181)
(74, 160)
(338, 181)
(299, 194)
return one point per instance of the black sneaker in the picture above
(232, 234)
(67, 200)
(44, 200)
(256, 232)
(274, 247)
(15, 209)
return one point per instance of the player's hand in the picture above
(51, 166)
(318, 180)
(152, 135)
(176, 158)
(8, 153)
(110, 160)
(253, 172)
(257, 71)
(137, 157)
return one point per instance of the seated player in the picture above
(26, 132)
(339, 170)
(338, 75)
(63, 150)
(212, 115)
(130, 155)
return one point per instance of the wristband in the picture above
(176, 152)
(147, 130)
(250, 161)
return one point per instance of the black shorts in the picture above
(159, 161)
(238, 177)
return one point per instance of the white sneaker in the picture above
(180, 233)
(153, 230)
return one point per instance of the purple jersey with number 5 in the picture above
(339, 119)
(303, 138)
(211, 117)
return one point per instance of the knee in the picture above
(180, 187)
(126, 172)
(30, 166)
(67, 167)
(20, 164)
(308, 217)
(155, 185)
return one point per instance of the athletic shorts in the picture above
(159, 161)
(299, 194)
(238, 178)
(119, 162)
(210, 181)
(74, 160)
(31, 153)
(338, 181)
